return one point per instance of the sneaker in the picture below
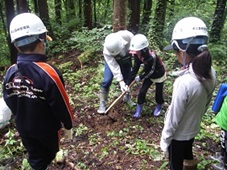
(219, 166)
(216, 157)
(157, 110)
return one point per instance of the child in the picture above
(221, 120)
(192, 92)
(154, 72)
(35, 93)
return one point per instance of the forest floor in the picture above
(115, 141)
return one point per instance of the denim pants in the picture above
(108, 75)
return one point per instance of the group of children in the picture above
(118, 50)
(34, 90)
(192, 90)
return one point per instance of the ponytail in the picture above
(201, 64)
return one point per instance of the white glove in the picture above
(137, 78)
(124, 87)
(68, 133)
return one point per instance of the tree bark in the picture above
(36, 8)
(88, 14)
(159, 21)
(218, 22)
(22, 6)
(9, 5)
(146, 12)
(44, 15)
(119, 15)
(134, 22)
(58, 9)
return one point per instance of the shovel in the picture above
(115, 101)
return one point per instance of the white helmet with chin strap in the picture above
(138, 42)
(188, 31)
(26, 25)
(113, 44)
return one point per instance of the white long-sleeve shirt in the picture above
(111, 61)
(190, 100)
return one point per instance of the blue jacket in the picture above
(35, 93)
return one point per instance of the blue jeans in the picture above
(108, 75)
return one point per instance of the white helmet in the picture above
(26, 24)
(138, 42)
(189, 30)
(189, 27)
(113, 44)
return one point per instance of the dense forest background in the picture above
(78, 28)
(69, 22)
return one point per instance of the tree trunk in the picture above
(146, 11)
(95, 17)
(36, 8)
(119, 15)
(134, 22)
(159, 21)
(44, 14)
(218, 22)
(106, 9)
(9, 5)
(88, 14)
(80, 8)
(58, 7)
(22, 6)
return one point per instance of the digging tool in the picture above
(115, 101)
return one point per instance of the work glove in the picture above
(124, 87)
(68, 133)
(137, 78)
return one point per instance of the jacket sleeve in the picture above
(173, 114)
(147, 67)
(134, 71)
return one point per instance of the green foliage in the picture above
(83, 40)
(89, 40)
(218, 51)
(12, 147)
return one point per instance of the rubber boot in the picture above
(127, 98)
(190, 164)
(157, 110)
(103, 99)
(139, 108)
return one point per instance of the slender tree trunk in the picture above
(218, 22)
(106, 9)
(119, 15)
(58, 7)
(134, 22)
(36, 8)
(146, 12)
(9, 5)
(159, 21)
(44, 15)
(22, 6)
(95, 17)
(88, 14)
(80, 9)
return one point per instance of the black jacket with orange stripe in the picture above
(35, 93)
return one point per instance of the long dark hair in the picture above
(201, 63)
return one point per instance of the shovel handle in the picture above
(119, 97)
